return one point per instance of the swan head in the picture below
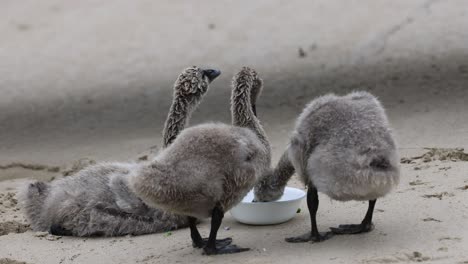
(193, 82)
(267, 189)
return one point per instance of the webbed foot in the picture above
(219, 242)
(308, 237)
(229, 249)
(352, 229)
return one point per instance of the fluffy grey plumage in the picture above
(206, 165)
(209, 168)
(271, 186)
(340, 143)
(97, 200)
(341, 146)
(94, 202)
(344, 146)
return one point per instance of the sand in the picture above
(423, 220)
(89, 81)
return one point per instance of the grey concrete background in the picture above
(76, 75)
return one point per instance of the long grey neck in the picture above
(257, 87)
(177, 118)
(283, 170)
(241, 109)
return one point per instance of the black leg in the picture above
(198, 241)
(314, 235)
(211, 247)
(364, 227)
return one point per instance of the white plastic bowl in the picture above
(269, 213)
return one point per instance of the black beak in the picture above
(211, 74)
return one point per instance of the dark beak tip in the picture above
(212, 74)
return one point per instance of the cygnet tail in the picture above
(380, 172)
(31, 199)
(380, 163)
(388, 165)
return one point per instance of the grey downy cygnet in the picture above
(341, 146)
(210, 167)
(97, 200)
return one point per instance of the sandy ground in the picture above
(93, 79)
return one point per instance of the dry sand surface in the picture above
(91, 79)
(423, 220)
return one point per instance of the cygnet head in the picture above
(193, 82)
(267, 189)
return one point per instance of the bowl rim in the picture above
(303, 194)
